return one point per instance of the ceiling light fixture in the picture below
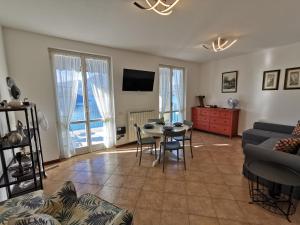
(220, 44)
(159, 6)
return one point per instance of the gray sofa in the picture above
(258, 144)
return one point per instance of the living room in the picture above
(258, 52)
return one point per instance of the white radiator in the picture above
(139, 118)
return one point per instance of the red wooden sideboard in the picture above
(216, 120)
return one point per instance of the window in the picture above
(84, 102)
(171, 93)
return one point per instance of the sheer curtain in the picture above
(67, 73)
(178, 92)
(164, 90)
(98, 73)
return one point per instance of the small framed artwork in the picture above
(292, 78)
(229, 82)
(271, 80)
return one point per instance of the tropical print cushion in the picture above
(288, 145)
(61, 204)
(36, 219)
(64, 207)
(92, 210)
(296, 131)
(21, 206)
(123, 217)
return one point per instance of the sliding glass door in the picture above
(86, 117)
(171, 93)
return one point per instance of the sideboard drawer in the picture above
(195, 114)
(215, 113)
(217, 120)
(204, 119)
(220, 121)
(220, 129)
(204, 112)
(225, 114)
(195, 118)
(204, 126)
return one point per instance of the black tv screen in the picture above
(138, 80)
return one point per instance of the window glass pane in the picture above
(171, 93)
(164, 89)
(177, 117)
(79, 111)
(97, 79)
(93, 109)
(97, 132)
(167, 117)
(79, 135)
(177, 90)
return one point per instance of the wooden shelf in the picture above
(25, 142)
(17, 190)
(14, 109)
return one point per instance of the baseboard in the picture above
(123, 145)
(51, 162)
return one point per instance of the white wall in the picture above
(3, 95)
(3, 87)
(280, 106)
(28, 62)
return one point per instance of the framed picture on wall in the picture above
(292, 78)
(271, 80)
(229, 82)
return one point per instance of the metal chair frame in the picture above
(140, 144)
(170, 135)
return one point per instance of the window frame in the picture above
(183, 111)
(87, 121)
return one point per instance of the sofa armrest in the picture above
(254, 153)
(279, 128)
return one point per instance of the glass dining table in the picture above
(158, 131)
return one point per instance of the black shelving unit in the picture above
(32, 180)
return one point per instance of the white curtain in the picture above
(178, 92)
(67, 73)
(98, 76)
(164, 90)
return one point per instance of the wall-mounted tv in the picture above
(138, 80)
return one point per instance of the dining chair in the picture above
(189, 135)
(169, 144)
(147, 141)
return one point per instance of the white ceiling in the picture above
(118, 23)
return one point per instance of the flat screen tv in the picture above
(138, 80)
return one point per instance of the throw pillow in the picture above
(61, 204)
(296, 131)
(35, 219)
(288, 145)
(94, 210)
(21, 206)
(123, 218)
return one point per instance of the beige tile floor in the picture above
(211, 191)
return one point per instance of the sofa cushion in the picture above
(123, 217)
(61, 204)
(260, 136)
(269, 143)
(93, 210)
(296, 131)
(288, 145)
(21, 206)
(278, 128)
(36, 219)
